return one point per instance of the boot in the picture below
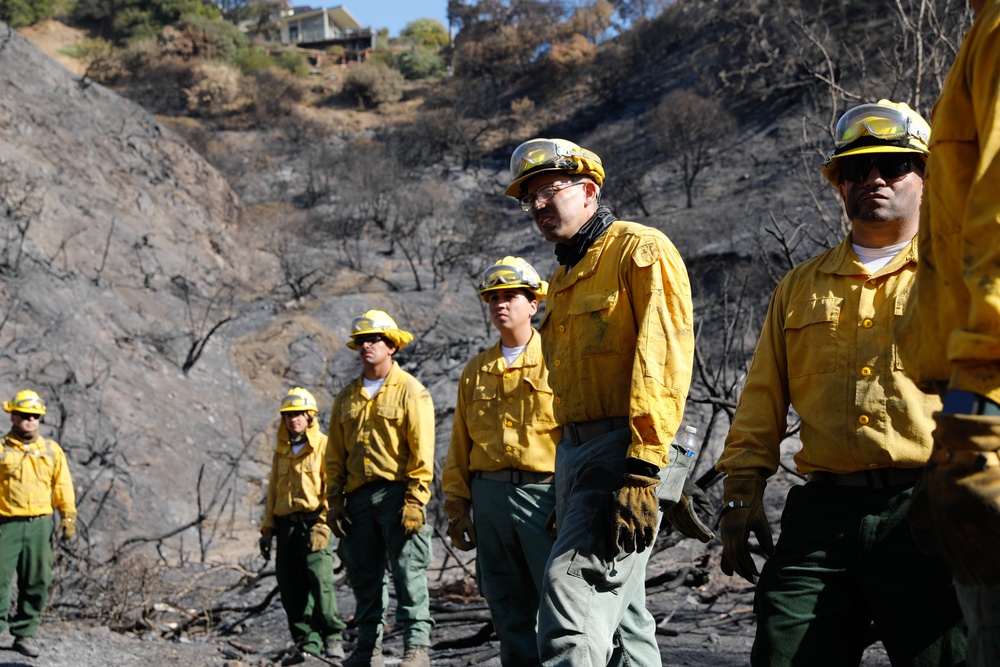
(415, 656)
(26, 646)
(365, 654)
(333, 648)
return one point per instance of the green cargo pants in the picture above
(513, 547)
(25, 548)
(846, 559)
(375, 539)
(305, 579)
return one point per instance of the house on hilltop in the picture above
(323, 28)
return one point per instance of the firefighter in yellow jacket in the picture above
(295, 513)
(498, 475)
(379, 465)
(618, 339)
(34, 481)
(950, 332)
(846, 558)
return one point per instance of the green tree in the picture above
(428, 33)
(294, 62)
(17, 13)
(125, 20)
(420, 63)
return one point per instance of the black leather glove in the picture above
(683, 515)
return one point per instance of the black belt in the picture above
(515, 476)
(11, 519)
(581, 432)
(880, 478)
(301, 517)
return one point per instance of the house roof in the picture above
(339, 16)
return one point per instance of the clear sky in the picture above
(392, 14)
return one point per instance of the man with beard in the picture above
(846, 558)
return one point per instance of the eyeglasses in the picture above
(890, 165)
(877, 121)
(27, 416)
(506, 274)
(371, 339)
(544, 194)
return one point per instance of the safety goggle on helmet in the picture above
(298, 400)
(885, 124)
(541, 155)
(886, 127)
(511, 273)
(26, 401)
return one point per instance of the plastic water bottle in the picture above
(690, 440)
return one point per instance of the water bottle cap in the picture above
(690, 429)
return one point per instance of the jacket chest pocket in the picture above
(811, 336)
(593, 326)
(392, 413)
(483, 413)
(538, 402)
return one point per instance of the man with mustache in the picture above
(846, 557)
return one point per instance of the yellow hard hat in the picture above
(885, 127)
(298, 400)
(378, 322)
(540, 155)
(512, 273)
(26, 401)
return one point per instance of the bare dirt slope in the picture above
(53, 38)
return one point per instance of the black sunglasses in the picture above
(857, 167)
(368, 338)
(26, 415)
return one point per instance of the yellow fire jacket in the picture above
(618, 337)
(828, 349)
(389, 437)
(298, 481)
(35, 479)
(951, 330)
(503, 418)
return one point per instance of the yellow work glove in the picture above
(319, 537)
(412, 518)
(551, 525)
(337, 517)
(636, 514)
(962, 481)
(683, 515)
(460, 523)
(742, 514)
(265, 546)
(67, 527)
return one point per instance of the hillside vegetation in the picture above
(180, 244)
